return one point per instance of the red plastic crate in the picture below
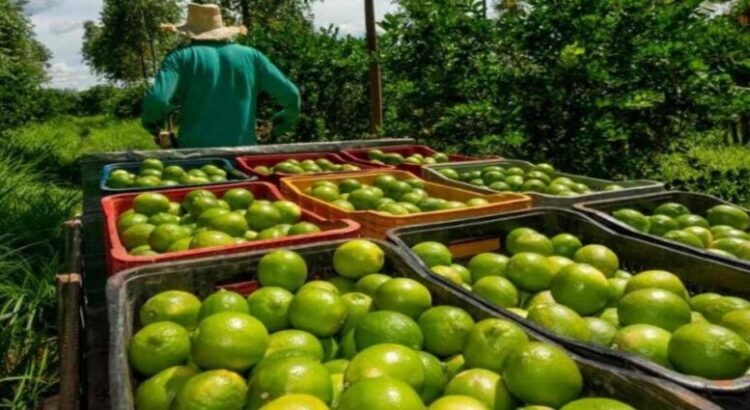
(248, 163)
(118, 258)
(359, 156)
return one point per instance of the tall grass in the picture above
(40, 174)
(62, 141)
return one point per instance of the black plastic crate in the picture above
(233, 174)
(128, 290)
(697, 203)
(630, 188)
(699, 274)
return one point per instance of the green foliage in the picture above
(56, 146)
(96, 100)
(125, 45)
(126, 103)
(331, 73)
(719, 171)
(22, 63)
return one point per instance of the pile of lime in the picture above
(153, 173)
(541, 178)
(580, 292)
(386, 194)
(360, 340)
(723, 230)
(308, 166)
(156, 225)
(379, 157)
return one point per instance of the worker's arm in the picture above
(158, 102)
(272, 81)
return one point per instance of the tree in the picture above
(126, 46)
(22, 65)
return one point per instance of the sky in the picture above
(59, 26)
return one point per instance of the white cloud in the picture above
(63, 75)
(65, 26)
(38, 6)
(348, 15)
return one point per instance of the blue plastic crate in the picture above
(233, 174)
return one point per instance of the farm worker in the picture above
(215, 83)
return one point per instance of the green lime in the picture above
(212, 390)
(159, 390)
(262, 215)
(209, 239)
(229, 340)
(542, 374)
(533, 242)
(710, 351)
(448, 273)
(403, 295)
(617, 290)
(289, 375)
(656, 307)
(558, 263)
(497, 290)
(386, 360)
(369, 284)
(644, 340)
(445, 329)
(433, 253)
(671, 209)
(150, 203)
(530, 272)
(661, 224)
(282, 268)
(599, 257)
(357, 258)
(483, 385)
(602, 331)
(270, 305)
(337, 366)
(487, 264)
(544, 296)
(489, 343)
(293, 339)
(358, 305)
(582, 288)
(296, 402)
(566, 245)
(727, 215)
(171, 306)
(715, 309)
(434, 377)
(738, 321)
(136, 235)
(387, 327)
(685, 221)
(319, 284)
(658, 279)
(380, 393)
(454, 402)
(231, 223)
(610, 315)
(223, 301)
(634, 219)
(303, 228)
(319, 312)
(596, 403)
(238, 198)
(560, 320)
(684, 237)
(158, 346)
(125, 221)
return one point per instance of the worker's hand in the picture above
(263, 130)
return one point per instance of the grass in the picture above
(41, 190)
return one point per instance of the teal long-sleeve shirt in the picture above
(215, 85)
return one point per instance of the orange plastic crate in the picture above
(118, 258)
(375, 224)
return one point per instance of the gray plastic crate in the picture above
(128, 290)
(631, 188)
(697, 203)
(697, 273)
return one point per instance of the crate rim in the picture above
(225, 163)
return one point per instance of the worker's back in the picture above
(215, 86)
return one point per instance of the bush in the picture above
(96, 100)
(127, 101)
(718, 171)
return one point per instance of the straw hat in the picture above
(204, 22)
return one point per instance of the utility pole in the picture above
(376, 81)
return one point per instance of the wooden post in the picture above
(376, 81)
